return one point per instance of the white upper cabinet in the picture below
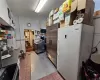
(4, 17)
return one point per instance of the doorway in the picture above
(29, 40)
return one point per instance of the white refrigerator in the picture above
(74, 46)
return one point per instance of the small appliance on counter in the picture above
(4, 50)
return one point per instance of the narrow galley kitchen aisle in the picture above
(67, 37)
(40, 66)
(37, 67)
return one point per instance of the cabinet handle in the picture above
(58, 47)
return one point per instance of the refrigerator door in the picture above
(69, 39)
(51, 42)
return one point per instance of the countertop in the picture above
(12, 60)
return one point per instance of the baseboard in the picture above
(61, 75)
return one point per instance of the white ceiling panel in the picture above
(26, 7)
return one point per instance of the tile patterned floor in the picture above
(25, 68)
(53, 76)
(41, 66)
(36, 67)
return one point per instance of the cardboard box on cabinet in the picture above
(47, 23)
(61, 14)
(70, 17)
(74, 5)
(56, 16)
(50, 21)
(87, 7)
(62, 23)
(67, 19)
(56, 21)
(82, 4)
(51, 13)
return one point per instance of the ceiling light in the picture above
(40, 5)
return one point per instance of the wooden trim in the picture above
(61, 75)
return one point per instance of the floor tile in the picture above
(40, 66)
(25, 68)
(37, 67)
(53, 76)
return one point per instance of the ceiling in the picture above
(27, 7)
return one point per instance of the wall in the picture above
(21, 24)
(43, 23)
(35, 25)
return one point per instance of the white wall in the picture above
(43, 23)
(21, 24)
(35, 25)
(17, 32)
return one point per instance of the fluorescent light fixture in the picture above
(40, 5)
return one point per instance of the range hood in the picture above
(4, 25)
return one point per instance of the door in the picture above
(68, 51)
(53, 51)
(52, 36)
(29, 40)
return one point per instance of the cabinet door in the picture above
(4, 11)
(68, 52)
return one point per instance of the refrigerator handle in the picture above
(58, 47)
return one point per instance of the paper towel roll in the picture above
(75, 22)
(80, 20)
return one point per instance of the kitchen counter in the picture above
(12, 60)
(9, 68)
